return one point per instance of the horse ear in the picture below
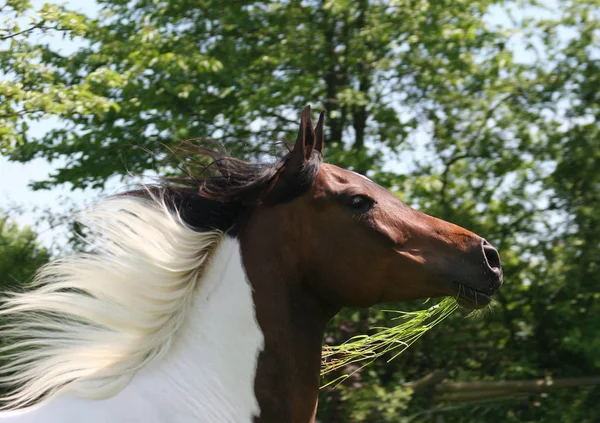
(305, 141)
(320, 133)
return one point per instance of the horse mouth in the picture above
(471, 298)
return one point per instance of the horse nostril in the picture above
(491, 256)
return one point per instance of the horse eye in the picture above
(360, 203)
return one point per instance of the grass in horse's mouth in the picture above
(395, 339)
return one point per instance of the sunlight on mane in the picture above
(93, 319)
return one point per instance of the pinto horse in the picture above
(205, 299)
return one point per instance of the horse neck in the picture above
(210, 371)
(293, 322)
(251, 349)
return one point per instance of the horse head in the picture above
(356, 244)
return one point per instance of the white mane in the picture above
(92, 320)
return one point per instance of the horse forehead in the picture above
(331, 177)
(343, 176)
(361, 176)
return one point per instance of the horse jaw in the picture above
(207, 374)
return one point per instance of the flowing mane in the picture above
(92, 320)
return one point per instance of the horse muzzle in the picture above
(480, 278)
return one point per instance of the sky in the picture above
(15, 193)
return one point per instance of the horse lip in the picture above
(472, 298)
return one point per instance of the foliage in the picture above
(480, 112)
(34, 86)
(20, 254)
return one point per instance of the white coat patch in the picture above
(204, 368)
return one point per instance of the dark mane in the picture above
(219, 189)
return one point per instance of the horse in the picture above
(205, 298)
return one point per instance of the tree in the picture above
(241, 70)
(503, 145)
(34, 87)
(20, 254)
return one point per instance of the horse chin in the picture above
(472, 299)
(482, 301)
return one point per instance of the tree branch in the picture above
(467, 150)
(493, 390)
(16, 34)
(475, 391)
(431, 379)
(16, 114)
(448, 165)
